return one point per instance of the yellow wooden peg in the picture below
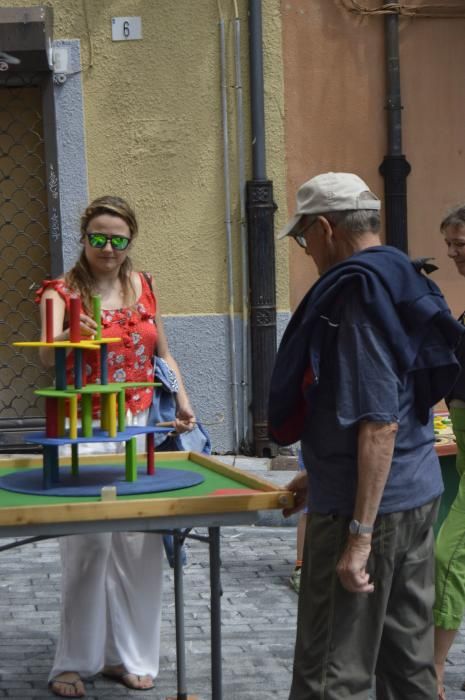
(112, 415)
(84, 345)
(73, 417)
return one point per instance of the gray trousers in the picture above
(346, 640)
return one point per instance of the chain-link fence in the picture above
(25, 254)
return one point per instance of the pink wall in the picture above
(334, 72)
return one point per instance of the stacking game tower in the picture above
(78, 397)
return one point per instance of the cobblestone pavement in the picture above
(258, 608)
(258, 611)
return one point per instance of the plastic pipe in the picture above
(227, 186)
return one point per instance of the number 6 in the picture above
(126, 29)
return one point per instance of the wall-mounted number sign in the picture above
(126, 28)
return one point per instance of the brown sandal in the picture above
(124, 677)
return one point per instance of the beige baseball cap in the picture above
(331, 192)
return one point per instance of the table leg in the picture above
(215, 598)
(182, 694)
(179, 616)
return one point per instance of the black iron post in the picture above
(395, 167)
(215, 612)
(260, 221)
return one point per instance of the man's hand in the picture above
(351, 567)
(298, 486)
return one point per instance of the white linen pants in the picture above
(111, 601)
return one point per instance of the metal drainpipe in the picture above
(260, 218)
(394, 167)
(227, 187)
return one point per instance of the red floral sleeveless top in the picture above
(128, 361)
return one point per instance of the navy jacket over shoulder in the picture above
(403, 303)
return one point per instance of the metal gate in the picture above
(30, 221)
(25, 253)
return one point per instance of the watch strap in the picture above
(357, 528)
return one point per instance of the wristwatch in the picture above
(356, 528)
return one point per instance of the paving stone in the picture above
(259, 614)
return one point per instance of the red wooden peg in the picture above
(75, 320)
(150, 454)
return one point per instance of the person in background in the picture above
(363, 360)
(111, 582)
(449, 606)
(294, 579)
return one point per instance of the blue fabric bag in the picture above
(163, 409)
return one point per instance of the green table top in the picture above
(213, 481)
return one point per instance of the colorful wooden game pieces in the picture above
(77, 400)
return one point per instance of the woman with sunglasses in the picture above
(111, 582)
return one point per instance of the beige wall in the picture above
(334, 68)
(153, 132)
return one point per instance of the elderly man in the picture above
(364, 358)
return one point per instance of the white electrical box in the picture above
(126, 28)
(60, 59)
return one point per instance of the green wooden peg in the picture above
(86, 415)
(131, 459)
(121, 397)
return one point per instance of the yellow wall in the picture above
(334, 71)
(153, 132)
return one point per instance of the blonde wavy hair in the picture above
(80, 277)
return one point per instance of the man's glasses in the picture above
(99, 240)
(300, 237)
